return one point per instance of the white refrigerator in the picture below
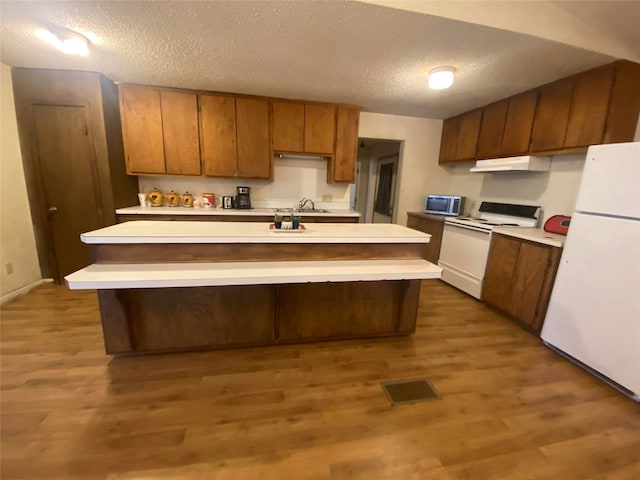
(594, 311)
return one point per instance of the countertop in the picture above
(537, 235)
(148, 231)
(138, 210)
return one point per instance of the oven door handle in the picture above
(468, 227)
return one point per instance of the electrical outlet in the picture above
(327, 198)
(8, 268)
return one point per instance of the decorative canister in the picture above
(209, 199)
(173, 199)
(155, 198)
(187, 200)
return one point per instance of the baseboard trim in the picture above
(21, 291)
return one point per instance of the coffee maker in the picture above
(243, 200)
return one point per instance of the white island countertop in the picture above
(537, 235)
(147, 231)
(252, 212)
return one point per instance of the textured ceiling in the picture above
(338, 51)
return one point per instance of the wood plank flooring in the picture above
(510, 408)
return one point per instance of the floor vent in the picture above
(409, 391)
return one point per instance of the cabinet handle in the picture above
(51, 210)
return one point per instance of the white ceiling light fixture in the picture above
(441, 78)
(67, 41)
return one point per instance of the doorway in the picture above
(69, 183)
(375, 194)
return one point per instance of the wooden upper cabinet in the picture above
(180, 132)
(518, 123)
(552, 116)
(218, 135)
(492, 129)
(303, 128)
(468, 132)
(319, 128)
(342, 167)
(288, 126)
(141, 118)
(252, 124)
(449, 139)
(624, 103)
(589, 107)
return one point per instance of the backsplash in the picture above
(293, 179)
(555, 191)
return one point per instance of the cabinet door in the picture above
(141, 118)
(468, 135)
(624, 103)
(552, 116)
(526, 300)
(342, 167)
(180, 132)
(288, 127)
(252, 123)
(518, 124)
(449, 139)
(589, 107)
(319, 128)
(218, 135)
(492, 129)
(501, 264)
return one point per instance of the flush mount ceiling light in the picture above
(67, 41)
(441, 78)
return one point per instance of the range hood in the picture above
(525, 163)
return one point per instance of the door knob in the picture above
(53, 209)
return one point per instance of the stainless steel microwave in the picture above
(444, 205)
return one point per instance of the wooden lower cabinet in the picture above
(168, 319)
(519, 279)
(432, 225)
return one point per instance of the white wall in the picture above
(418, 172)
(555, 191)
(17, 240)
(293, 179)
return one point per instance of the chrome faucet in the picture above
(305, 201)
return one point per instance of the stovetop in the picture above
(494, 214)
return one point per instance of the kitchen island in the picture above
(165, 286)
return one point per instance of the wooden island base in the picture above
(175, 286)
(169, 319)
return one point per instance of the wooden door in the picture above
(449, 139)
(141, 117)
(342, 167)
(319, 128)
(288, 127)
(67, 163)
(492, 129)
(218, 135)
(469, 129)
(252, 123)
(552, 116)
(589, 107)
(503, 256)
(180, 132)
(518, 124)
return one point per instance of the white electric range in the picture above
(465, 242)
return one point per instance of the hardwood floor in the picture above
(510, 408)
